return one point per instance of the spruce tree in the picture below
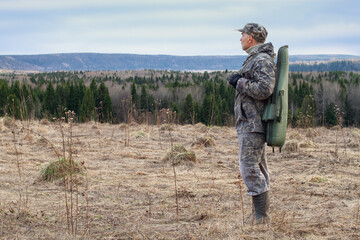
(207, 109)
(105, 105)
(134, 96)
(187, 110)
(308, 112)
(349, 117)
(13, 106)
(73, 99)
(196, 112)
(87, 106)
(50, 103)
(25, 101)
(144, 98)
(330, 115)
(94, 90)
(15, 89)
(151, 103)
(4, 92)
(175, 109)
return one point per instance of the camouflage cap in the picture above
(257, 31)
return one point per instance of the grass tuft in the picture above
(319, 179)
(201, 127)
(166, 127)
(56, 169)
(180, 155)
(44, 121)
(139, 134)
(306, 144)
(8, 122)
(205, 141)
(292, 146)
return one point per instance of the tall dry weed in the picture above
(174, 170)
(129, 110)
(67, 167)
(23, 207)
(241, 200)
(22, 204)
(158, 121)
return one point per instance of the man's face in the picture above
(245, 40)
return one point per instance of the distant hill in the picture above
(101, 61)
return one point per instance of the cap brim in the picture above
(240, 30)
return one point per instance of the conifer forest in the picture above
(315, 98)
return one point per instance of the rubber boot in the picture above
(261, 208)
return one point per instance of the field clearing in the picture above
(127, 192)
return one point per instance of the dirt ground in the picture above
(128, 192)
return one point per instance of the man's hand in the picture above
(233, 79)
(241, 84)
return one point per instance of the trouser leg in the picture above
(253, 163)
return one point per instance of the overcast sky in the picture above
(176, 27)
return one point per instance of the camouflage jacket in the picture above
(254, 88)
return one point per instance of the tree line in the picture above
(48, 100)
(324, 99)
(315, 98)
(344, 65)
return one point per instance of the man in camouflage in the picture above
(254, 83)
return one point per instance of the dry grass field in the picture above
(127, 188)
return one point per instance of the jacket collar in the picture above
(254, 48)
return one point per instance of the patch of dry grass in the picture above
(204, 141)
(8, 122)
(130, 190)
(57, 169)
(179, 154)
(292, 146)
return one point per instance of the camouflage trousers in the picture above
(253, 163)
